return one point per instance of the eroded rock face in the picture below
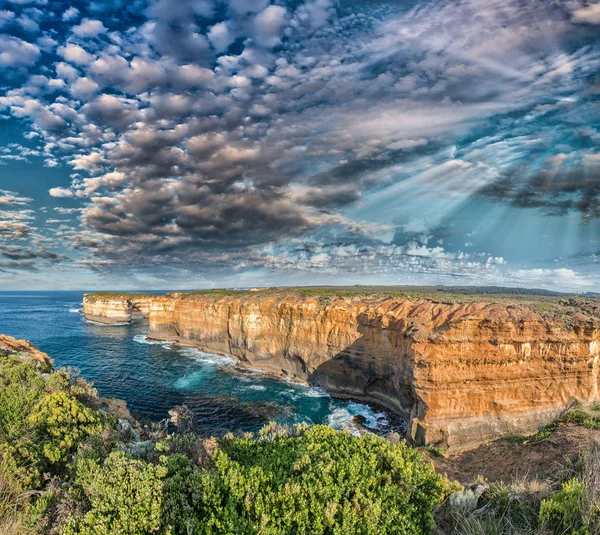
(113, 309)
(459, 373)
(22, 348)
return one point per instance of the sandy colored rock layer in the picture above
(461, 374)
(12, 346)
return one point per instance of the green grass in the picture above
(543, 433)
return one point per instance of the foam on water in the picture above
(316, 392)
(92, 322)
(208, 358)
(143, 339)
(256, 387)
(75, 310)
(343, 418)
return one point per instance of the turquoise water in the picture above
(154, 377)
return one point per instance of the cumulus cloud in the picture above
(60, 192)
(14, 52)
(89, 28)
(75, 54)
(70, 14)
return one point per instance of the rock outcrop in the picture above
(459, 373)
(112, 308)
(22, 349)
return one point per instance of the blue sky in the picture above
(199, 143)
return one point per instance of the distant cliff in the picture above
(460, 372)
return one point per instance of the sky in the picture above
(162, 144)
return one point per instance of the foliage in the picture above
(563, 512)
(125, 497)
(61, 422)
(67, 469)
(583, 418)
(544, 432)
(326, 482)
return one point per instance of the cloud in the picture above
(268, 25)
(589, 14)
(89, 28)
(60, 192)
(207, 132)
(220, 36)
(14, 52)
(70, 14)
(75, 54)
(9, 198)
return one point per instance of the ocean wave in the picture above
(92, 322)
(343, 418)
(316, 392)
(256, 387)
(75, 310)
(143, 339)
(208, 358)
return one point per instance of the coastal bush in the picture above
(125, 497)
(321, 482)
(562, 513)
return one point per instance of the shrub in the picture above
(324, 482)
(61, 423)
(125, 497)
(563, 512)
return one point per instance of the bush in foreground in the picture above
(65, 470)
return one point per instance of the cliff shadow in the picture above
(376, 368)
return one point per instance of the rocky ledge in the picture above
(461, 372)
(23, 349)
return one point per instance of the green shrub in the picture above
(61, 423)
(582, 418)
(125, 497)
(562, 513)
(324, 482)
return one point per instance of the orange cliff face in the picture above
(460, 374)
(22, 348)
(113, 308)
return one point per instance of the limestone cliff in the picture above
(460, 373)
(22, 348)
(114, 308)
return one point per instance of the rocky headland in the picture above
(461, 370)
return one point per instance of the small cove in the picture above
(154, 376)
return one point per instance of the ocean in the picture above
(153, 377)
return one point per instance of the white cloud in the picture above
(589, 14)
(84, 88)
(70, 14)
(220, 36)
(15, 52)
(60, 192)
(89, 28)
(75, 54)
(407, 144)
(268, 25)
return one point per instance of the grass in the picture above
(95, 296)
(543, 433)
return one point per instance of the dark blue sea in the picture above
(154, 377)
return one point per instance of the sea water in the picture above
(153, 377)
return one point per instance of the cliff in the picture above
(111, 308)
(461, 373)
(22, 348)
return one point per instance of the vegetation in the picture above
(66, 469)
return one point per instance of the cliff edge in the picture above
(461, 372)
(24, 349)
